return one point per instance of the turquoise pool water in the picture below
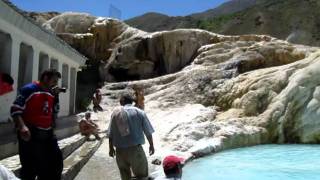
(265, 162)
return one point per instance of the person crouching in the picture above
(88, 127)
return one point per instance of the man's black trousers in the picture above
(40, 157)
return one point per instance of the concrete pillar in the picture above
(60, 70)
(75, 88)
(25, 64)
(44, 63)
(65, 76)
(73, 85)
(35, 72)
(15, 61)
(54, 64)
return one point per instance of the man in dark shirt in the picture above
(32, 112)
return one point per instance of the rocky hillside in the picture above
(205, 92)
(93, 37)
(293, 20)
(228, 7)
(105, 41)
(235, 91)
(151, 22)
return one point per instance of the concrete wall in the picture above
(19, 32)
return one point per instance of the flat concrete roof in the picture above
(13, 15)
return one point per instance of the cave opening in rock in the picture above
(121, 74)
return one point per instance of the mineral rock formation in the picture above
(42, 17)
(95, 37)
(205, 92)
(235, 91)
(154, 54)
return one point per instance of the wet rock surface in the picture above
(207, 92)
(237, 91)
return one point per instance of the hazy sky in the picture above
(128, 8)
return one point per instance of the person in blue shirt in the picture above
(126, 131)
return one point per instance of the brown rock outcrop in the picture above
(95, 37)
(237, 91)
(42, 17)
(214, 92)
(154, 54)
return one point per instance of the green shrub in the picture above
(215, 24)
(84, 104)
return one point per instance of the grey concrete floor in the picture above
(100, 166)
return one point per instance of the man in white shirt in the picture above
(6, 174)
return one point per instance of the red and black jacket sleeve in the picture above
(34, 105)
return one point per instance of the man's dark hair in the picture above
(126, 99)
(50, 73)
(7, 78)
(173, 172)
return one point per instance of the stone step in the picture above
(116, 86)
(74, 163)
(66, 127)
(67, 145)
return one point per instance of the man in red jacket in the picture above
(40, 155)
(6, 83)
